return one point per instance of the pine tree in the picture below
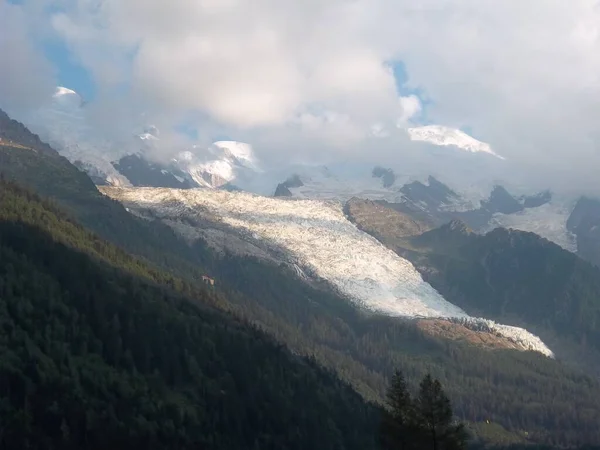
(434, 418)
(397, 417)
(425, 422)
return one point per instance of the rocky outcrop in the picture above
(432, 195)
(386, 224)
(388, 177)
(534, 201)
(501, 201)
(141, 172)
(283, 189)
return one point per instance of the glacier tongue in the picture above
(320, 240)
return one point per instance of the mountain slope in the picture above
(139, 158)
(506, 275)
(95, 357)
(317, 238)
(508, 272)
(27, 160)
(300, 227)
(364, 349)
(584, 222)
(518, 392)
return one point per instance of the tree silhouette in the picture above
(437, 428)
(425, 422)
(396, 421)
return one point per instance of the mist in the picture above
(27, 79)
(316, 82)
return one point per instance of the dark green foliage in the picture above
(425, 422)
(521, 392)
(94, 355)
(397, 418)
(434, 422)
(583, 222)
(43, 170)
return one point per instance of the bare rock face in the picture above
(387, 176)
(382, 222)
(283, 189)
(460, 332)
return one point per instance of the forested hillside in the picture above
(513, 273)
(93, 356)
(32, 163)
(534, 397)
(507, 275)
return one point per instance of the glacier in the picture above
(320, 241)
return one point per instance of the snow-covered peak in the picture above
(67, 98)
(147, 137)
(446, 136)
(63, 123)
(221, 163)
(237, 153)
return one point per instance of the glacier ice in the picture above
(321, 242)
(548, 221)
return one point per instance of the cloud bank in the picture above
(26, 77)
(315, 77)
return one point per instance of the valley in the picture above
(283, 225)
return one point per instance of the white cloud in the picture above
(245, 64)
(411, 107)
(26, 78)
(523, 75)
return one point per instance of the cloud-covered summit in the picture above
(320, 78)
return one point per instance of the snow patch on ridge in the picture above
(239, 150)
(445, 136)
(67, 98)
(548, 221)
(66, 125)
(322, 242)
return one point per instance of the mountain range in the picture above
(363, 273)
(442, 188)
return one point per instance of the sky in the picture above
(342, 78)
